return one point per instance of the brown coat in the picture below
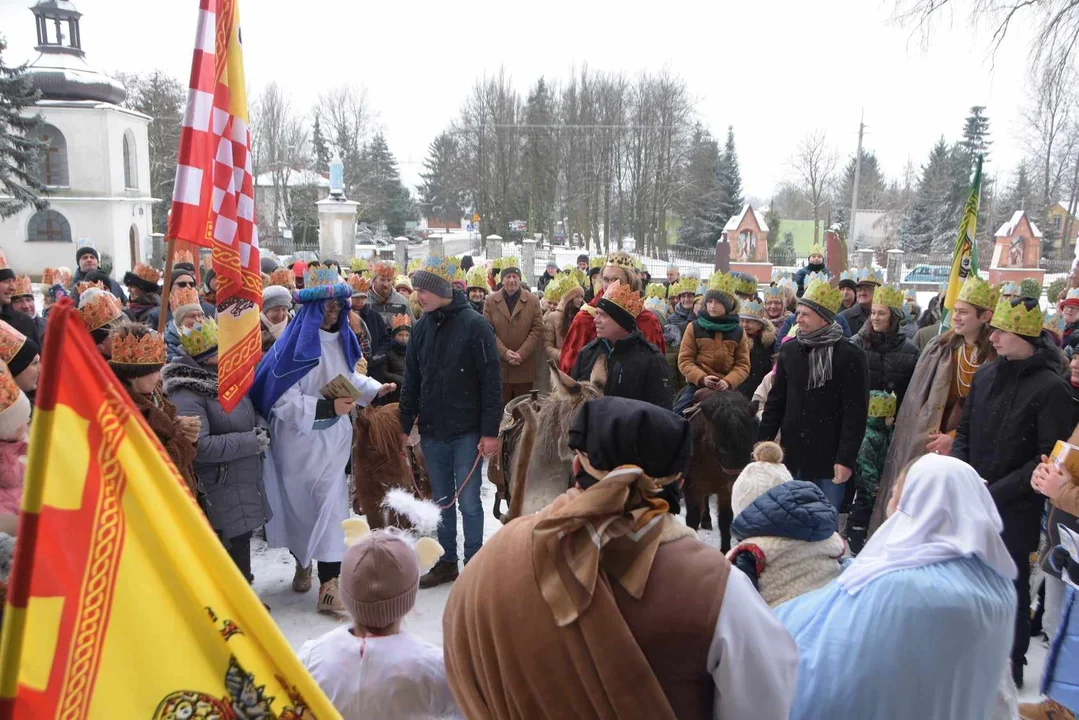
(160, 415)
(622, 658)
(522, 332)
(700, 357)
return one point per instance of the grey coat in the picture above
(228, 465)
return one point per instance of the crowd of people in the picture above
(883, 531)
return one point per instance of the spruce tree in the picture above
(321, 147)
(540, 173)
(440, 192)
(697, 199)
(20, 151)
(976, 140)
(729, 198)
(383, 197)
(871, 188)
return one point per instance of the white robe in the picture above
(305, 482)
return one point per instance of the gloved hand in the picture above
(263, 437)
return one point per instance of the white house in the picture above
(97, 166)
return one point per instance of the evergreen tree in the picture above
(440, 192)
(320, 147)
(729, 199)
(20, 152)
(1021, 194)
(976, 140)
(697, 199)
(382, 197)
(540, 172)
(921, 225)
(872, 191)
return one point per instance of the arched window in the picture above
(54, 158)
(48, 226)
(131, 169)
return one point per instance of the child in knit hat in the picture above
(785, 528)
(373, 669)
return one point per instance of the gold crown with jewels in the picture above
(888, 295)
(979, 293)
(1018, 319)
(136, 345)
(823, 294)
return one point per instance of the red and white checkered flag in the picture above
(213, 200)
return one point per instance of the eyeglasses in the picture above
(185, 284)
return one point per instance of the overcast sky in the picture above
(775, 69)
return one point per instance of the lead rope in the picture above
(476, 464)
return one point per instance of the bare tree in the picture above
(280, 147)
(1051, 122)
(349, 121)
(815, 164)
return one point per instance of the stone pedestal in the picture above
(723, 257)
(528, 261)
(998, 275)
(761, 271)
(336, 229)
(865, 258)
(494, 246)
(895, 266)
(434, 245)
(400, 253)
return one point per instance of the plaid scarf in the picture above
(820, 342)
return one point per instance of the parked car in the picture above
(928, 274)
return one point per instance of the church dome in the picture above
(61, 72)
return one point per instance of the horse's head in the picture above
(378, 438)
(734, 424)
(567, 397)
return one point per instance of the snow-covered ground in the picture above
(295, 614)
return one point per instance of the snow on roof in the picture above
(735, 221)
(1008, 228)
(296, 178)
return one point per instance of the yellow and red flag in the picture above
(965, 254)
(122, 602)
(213, 199)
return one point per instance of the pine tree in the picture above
(20, 152)
(921, 224)
(697, 199)
(871, 188)
(321, 147)
(540, 172)
(729, 199)
(976, 140)
(440, 192)
(382, 197)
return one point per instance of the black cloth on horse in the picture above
(615, 431)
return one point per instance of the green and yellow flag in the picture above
(965, 256)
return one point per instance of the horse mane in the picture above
(384, 430)
(734, 426)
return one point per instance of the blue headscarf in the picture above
(299, 348)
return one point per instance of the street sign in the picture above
(475, 218)
(518, 226)
(470, 227)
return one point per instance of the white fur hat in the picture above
(759, 477)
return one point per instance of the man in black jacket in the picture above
(1017, 408)
(88, 261)
(820, 396)
(858, 315)
(453, 385)
(636, 369)
(20, 321)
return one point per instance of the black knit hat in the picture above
(582, 259)
(619, 314)
(848, 283)
(86, 251)
(724, 299)
(23, 357)
(616, 431)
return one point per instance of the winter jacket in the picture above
(705, 352)
(12, 471)
(636, 369)
(394, 371)
(800, 276)
(856, 316)
(553, 334)
(872, 454)
(160, 415)
(890, 358)
(21, 322)
(788, 326)
(1015, 412)
(583, 331)
(762, 350)
(453, 380)
(543, 282)
(680, 318)
(380, 331)
(824, 426)
(788, 543)
(114, 287)
(520, 331)
(925, 335)
(227, 462)
(394, 304)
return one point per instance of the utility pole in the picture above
(857, 178)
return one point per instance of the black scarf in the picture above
(820, 344)
(511, 300)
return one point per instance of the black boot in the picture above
(441, 573)
(856, 538)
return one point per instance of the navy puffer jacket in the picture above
(797, 509)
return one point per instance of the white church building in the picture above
(97, 165)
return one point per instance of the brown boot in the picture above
(441, 573)
(301, 581)
(1045, 710)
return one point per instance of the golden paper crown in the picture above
(689, 285)
(458, 276)
(1018, 319)
(622, 260)
(403, 281)
(658, 290)
(386, 269)
(100, 309)
(1008, 289)
(888, 295)
(882, 404)
(979, 293)
(401, 320)
(146, 273)
(444, 267)
(357, 264)
(200, 340)
(744, 284)
(869, 276)
(596, 261)
(11, 342)
(132, 347)
(183, 296)
(751, 310)
(183, 256)
(1054, 323)
(313, 277)
(579, 276)
(722, 282)
(413, 265)
(774, 291)
(57, 276)
(816, 249)
(3, 261)
(284, 278)
(476, 278)
(84, 285)
(23, 286)
(9, 390)
(556, 289)
(359, 283)
(624, 297)
(823, 294)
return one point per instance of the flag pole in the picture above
(163, 313)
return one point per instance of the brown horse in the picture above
(724, 426)
(540, 467)
(379, 463)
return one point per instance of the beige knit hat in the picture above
(759, 477)
(379, 579)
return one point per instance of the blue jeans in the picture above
(448, 464)
(833, 492)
